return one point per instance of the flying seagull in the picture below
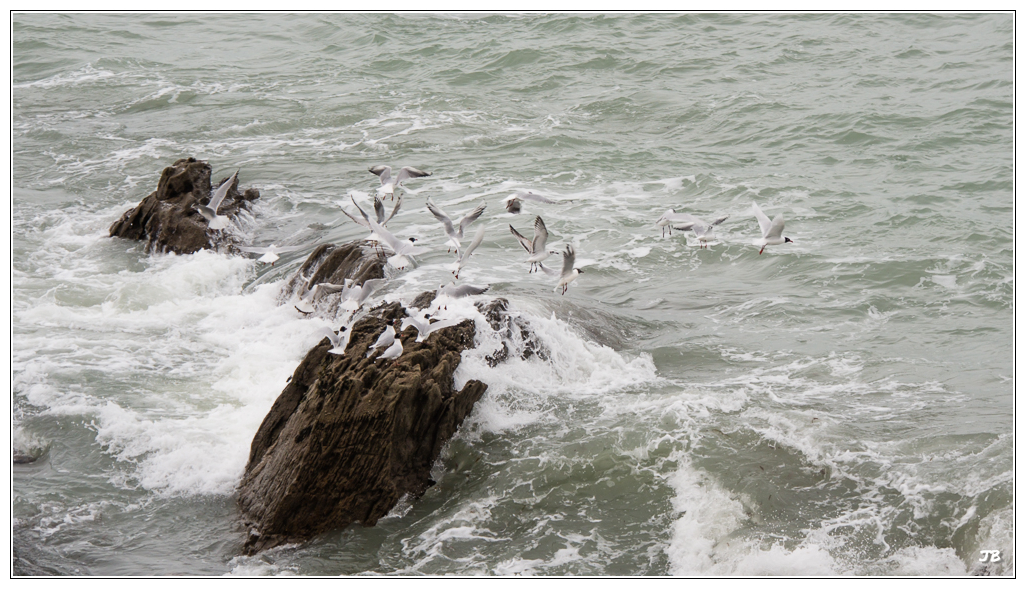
(535, 247)
(455, 234)
(389, 184)
(512, 202)
(771, 231)
(209, 211)
(568, 274)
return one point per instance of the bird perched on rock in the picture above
(393, 351)
(339, 340)
(772, 232)
(390, 183)
(209, 211)
(386, 339)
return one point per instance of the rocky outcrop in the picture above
(515, 333)
(167, 219)
(356, 260)
(350, 435)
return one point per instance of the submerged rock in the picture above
(167, 219)
(350, 435)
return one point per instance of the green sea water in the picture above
(839, 405)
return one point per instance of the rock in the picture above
(357, 260)
(167, 220)
(513, 330)
(350, 436)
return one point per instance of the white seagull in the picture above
(379, 213)
(353, 297)
(535, 247)
(209, 211)
(512, 202)
(703, 231)
(455, 235)
(339, 340)
(772, 232)
(674, 220)
(389, 184)
(451, 291)
(424, 326)
(569, 273)
(400, 247)
(465, 254)
(270, 252)
(393, 351)
(386, 339)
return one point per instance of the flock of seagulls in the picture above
(354, 296)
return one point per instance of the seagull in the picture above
(455, 235)
(321, 288)
(209, 211)
(513, 201)
(339, 340)
(379, 212)
(771, 232)
(465, 254)
(394, 351)
(270, 252)
(535, 248)
(569, 273)
(451, 291)
(703, 231)
(675, 220)
(424, 326)
(354, 296)
(400, 247)
(384, 340)
(388, 183)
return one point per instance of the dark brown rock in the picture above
(167, 219)
(513, 330)
(356, 260)
(350, 435)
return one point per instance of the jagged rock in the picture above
(167, 220)
(511, 329)
(350, 436)
(357, 260)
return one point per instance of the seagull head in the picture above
(413, 240)
(788, 240)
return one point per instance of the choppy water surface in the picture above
(841, 405)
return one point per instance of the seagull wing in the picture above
(221, 192)
(776, 228)
(395, 209)
(391, 241)
(369, 286)
(384, 172)
(527, 245)
(379, 210)
(465, 255)
(720, 220)
(466, 290)
(764, 222)
(409, 172)
(569, 256)
(471, 217)
(541, 236)
(535, 197)
(441, 216)
(549, 271)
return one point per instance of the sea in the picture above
(838, 405)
